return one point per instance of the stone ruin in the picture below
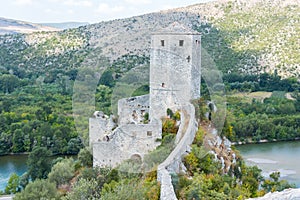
(174, 80)
(175, 63)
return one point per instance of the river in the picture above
(17, 164)
(11, 164)
(279, 156)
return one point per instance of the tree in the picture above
(276, 184)
(103, 98)
(62, 172)
(85, 157)
(24, 180)
(39, 189)
(8, 83)
(39, 163)
(107, 78)
(18, 144)
(84, 189)
(119, 190)
(74, 145)
(12, 184)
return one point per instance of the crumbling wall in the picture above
(126, 141)
(99, 126)
(173, 163)
(132, 110)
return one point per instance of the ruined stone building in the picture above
(174, 81)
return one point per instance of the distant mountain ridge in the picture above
(244, 36)
(11, 26)
(65, 25)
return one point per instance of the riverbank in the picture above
(274, 156)
(16, 163)
(249, 141)
(11, 164)
(15, 154)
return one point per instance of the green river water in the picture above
(280, 156)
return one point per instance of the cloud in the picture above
(71, 12)
(23, 2)
(85, 3)
(137, 2)
(106, 9)
(51, 11)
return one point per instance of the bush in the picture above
(85, 157)
(39, 189)
(62, 172)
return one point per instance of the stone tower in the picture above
(174, 81)
(175, 64)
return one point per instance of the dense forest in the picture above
(273, 118)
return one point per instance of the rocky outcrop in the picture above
(288, 194)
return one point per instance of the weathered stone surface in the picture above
(132, 110)
(287, 194)
(126, 141)
(174, 69)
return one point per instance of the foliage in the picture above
(274, 118)
(37, 117)
(260, 82)
(274, 184)
(83, 189)
(13, 184)
(138, 190)
(39, 163)
(37, 73)
(103, 98)
(210, 182)
(24, 180)
(144, 89)
(85, 157)
(170, 125)
(237, 41)
(38, 189)
(62, 172)
(157, 156)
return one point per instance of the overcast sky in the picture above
(83, 10)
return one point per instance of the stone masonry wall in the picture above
(126, 141)
(173, 163)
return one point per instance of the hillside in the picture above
(65, 25)
(243, 36)
(10, 26)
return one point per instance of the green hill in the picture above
(249, 37)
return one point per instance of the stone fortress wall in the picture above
(174, 81)
(114, 143)
(133, 110)
(184, 138)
